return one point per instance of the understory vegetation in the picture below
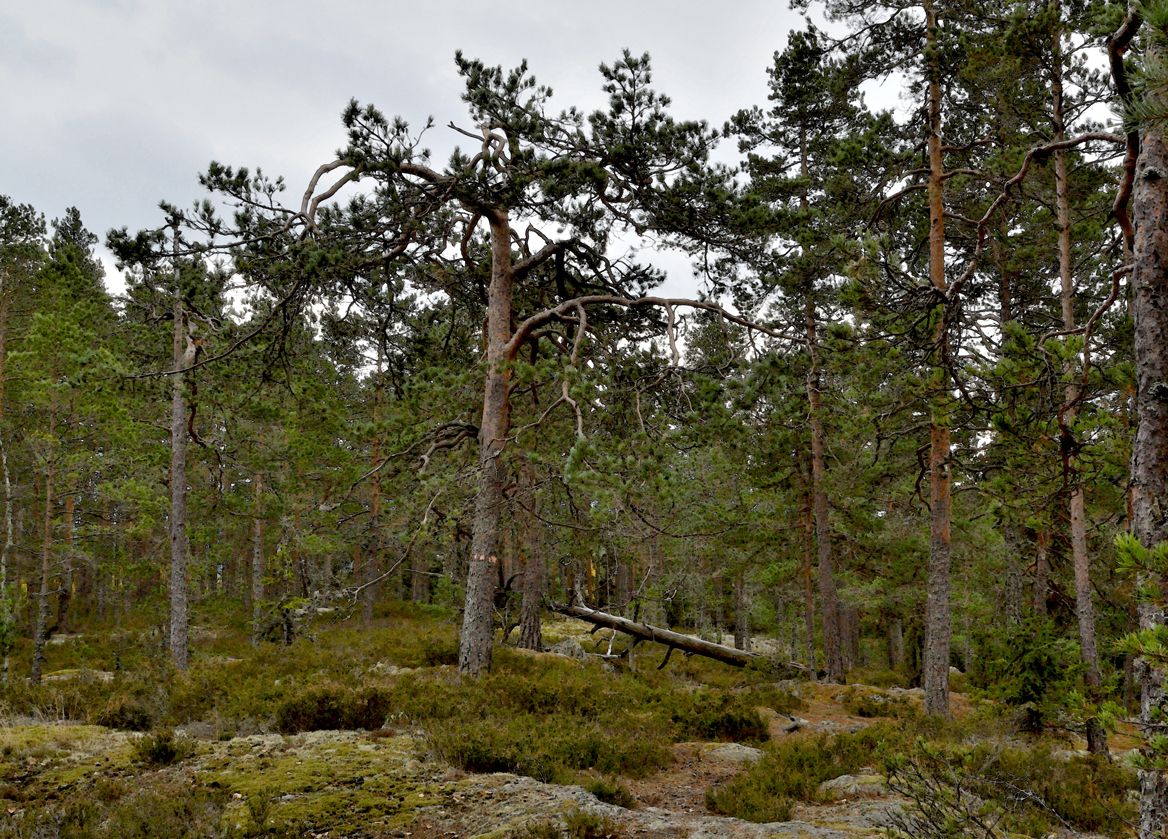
(553, 719)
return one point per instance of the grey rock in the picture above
(737, 752)
(854, 786)
(383, 669)
(569, 648)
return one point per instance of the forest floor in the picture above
(61, 776)
(360, 784)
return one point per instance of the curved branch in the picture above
(1117, 45)
(1037, 152)
(524, 330)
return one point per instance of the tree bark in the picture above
(534, 568)
(259, 562)
(184, 356)
(935, 667)
(474, 653)
(1149, 470)
(372, 563)
(1012, 596)
(41, 628)
(419, 582)
(828, 597)
(65, 589)
(895, 643)
(7, 620)
(742, 605)
(809, 594)
(675, 640)
(1041, 571)
(1076, 502)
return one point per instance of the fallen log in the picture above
(674, 640)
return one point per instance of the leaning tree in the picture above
(526, 230)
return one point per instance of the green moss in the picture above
(863, 702)
(24, 737)
(304, 782)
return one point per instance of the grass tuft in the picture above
(162, 748)
(611, 791)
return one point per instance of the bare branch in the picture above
(524, 330)
(983, 225)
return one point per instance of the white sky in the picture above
(113, 105)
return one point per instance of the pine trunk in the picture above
(1149, 471)
(41, 627)
(828, 597)
(895, 644)
(474, 654)
(259, 563)
(183, 358)
(742, 605)
(809, 594)
(7, 619)
(1041, 571)
(1076, 502)
(372, 562)
(935, 667)
(65, 589)
(1012, 585)
(534, 569)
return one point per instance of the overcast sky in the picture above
(114, 105)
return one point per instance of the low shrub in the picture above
(175, 811)
(552, 748)
(162, 748)
(1028, 791)
(752, 798)
(334, 707)
(578, 824)
(776, 698)
(864, 704)
(610, 791)
(793, 769)
(125, 715)
(709, 715)
(438, 651)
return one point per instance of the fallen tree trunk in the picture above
(674, 640)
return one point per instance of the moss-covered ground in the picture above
(369, 732)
